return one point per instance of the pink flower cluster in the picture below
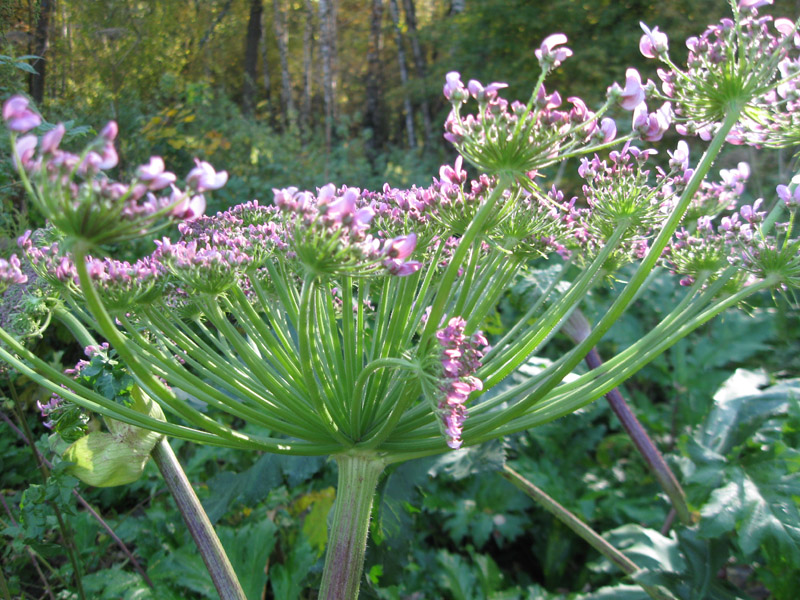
(505, 136)
(331, 233)
(75, 194)
(10, 272)
(460, 358)
(753, 56)
(56, 402)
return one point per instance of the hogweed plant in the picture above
(347, 323)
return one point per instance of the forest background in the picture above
(300, 93)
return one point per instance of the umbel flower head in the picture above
(515, 138)
(750, 62)
(74, 192)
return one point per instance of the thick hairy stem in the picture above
(217, 563)
(347, 540)
(645, 446)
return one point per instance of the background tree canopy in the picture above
(303, 92)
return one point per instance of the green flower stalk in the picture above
(347, 322)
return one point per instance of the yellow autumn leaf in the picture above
(315, 525)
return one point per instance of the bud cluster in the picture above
(460, 359)
(752, 61)
(11, 273)
(516, 138)
(75, 193)
(738, 240)
(331, 235)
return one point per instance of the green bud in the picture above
(116, 457)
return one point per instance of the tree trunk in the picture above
(41, 41)
(372, 110)
(401, 58)
(217, 20)
(308, 40)
(282, 35)
(265, 77)
(333, 26)
(251, 57)
(419, 64)
(327, 67)
(457, 6)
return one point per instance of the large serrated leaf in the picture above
(742, 472)
(459, 464)
(684, 564)
(400, 488)
(248, 547)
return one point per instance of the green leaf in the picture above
(742, 472)
(183, 568)
(118, 584)
(456, 575)
(254, 484)
(684, 563)
(287, 579)
(459, 464)
(400, 488)
(248, 547)
(617, 592)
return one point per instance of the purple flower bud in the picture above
(401, 247)
(784, 26)
(549, 55)
(454, 175)
(475, 89)
(633, 94)
(401, 269)
(679, 159)
(189, 208)
(10, 272)
(339, 210)
(24, 149)
(153, 174)
(109, 132)
(203, 177)
(653, 43)
(751, 214)
(651, 126)
(453, 89)
(18, 116)
(608, 128)
(753, 3)
(52, 139)
(791, 199)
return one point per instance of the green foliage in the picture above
(36, 511)
(743, 469)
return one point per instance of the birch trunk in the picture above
(372, 110)
(308, 40)
(282, 35)
(327, 68)
(419, 64)
(401, 58)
